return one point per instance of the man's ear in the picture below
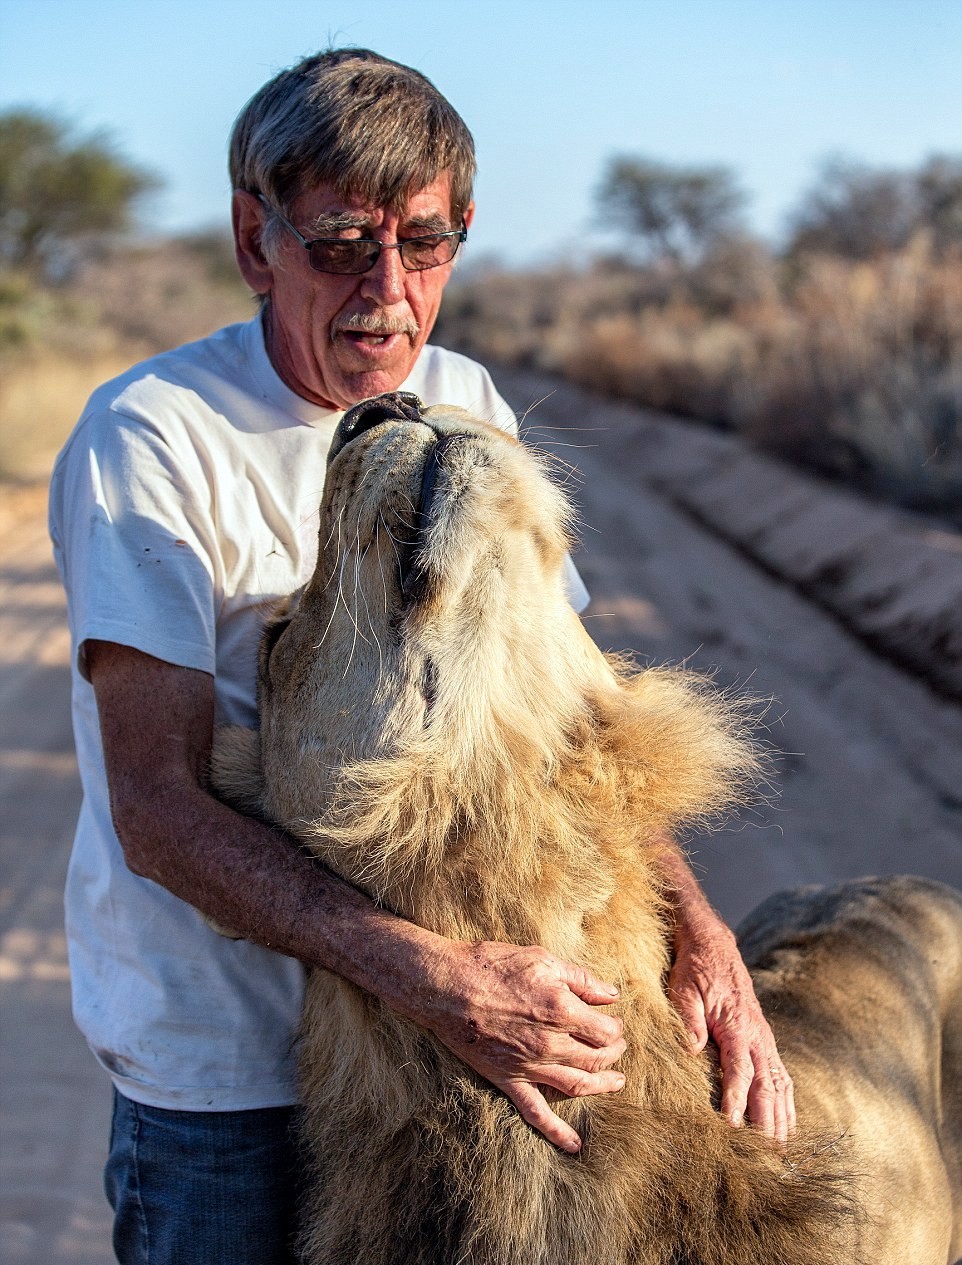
(468, 215)
(247, 217)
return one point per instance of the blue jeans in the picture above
(202, 1187)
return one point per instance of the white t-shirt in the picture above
(184, 504)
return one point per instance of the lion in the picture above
(437, 727)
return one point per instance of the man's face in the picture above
(339, 339)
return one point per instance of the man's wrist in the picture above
(695, 919)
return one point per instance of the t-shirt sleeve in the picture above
(133, 531)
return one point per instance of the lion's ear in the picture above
(236, 775)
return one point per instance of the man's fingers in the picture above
(690, 1005)
(587, 986)
(784, 1123)
(533, 1106)
(766, 1093)
(781, 1118)
(738, 1072)
(589, 1046)
(791, 1121)
(575, 1084)
(572, 1010)
(762, 1103)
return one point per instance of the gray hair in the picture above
(369, 127)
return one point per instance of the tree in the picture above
(939, 190)
(854, 210)
(55, 188)
(678, 213)
(859, 211)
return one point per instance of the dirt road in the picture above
(871, 781)
(54, 1102)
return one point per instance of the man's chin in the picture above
(365, 374)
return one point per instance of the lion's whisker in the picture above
(380, 563)
(367, 611)
(336, 526)
(533, 405)
(353, 613)
(558, 443)
(546, 426)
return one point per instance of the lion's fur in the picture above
(473, 762)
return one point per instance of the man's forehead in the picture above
(431, 201)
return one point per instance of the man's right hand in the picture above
(525, 1020)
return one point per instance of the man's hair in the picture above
(349, 118)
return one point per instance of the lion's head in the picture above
(438, 605)
(432, 685)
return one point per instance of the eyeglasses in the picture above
(351, 256)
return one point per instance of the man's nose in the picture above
(385, 282)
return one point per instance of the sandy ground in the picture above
(688, 552)
(53, 1099)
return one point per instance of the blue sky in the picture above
(550, 90)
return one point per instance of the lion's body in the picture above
(448, 738)
(863, 986)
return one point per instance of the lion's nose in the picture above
(394, 406)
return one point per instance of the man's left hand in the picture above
(710, 987)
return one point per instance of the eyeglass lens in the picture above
(417, 253)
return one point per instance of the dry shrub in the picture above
(160, 296)
(40, 399)
(853, 369)
(59, 342)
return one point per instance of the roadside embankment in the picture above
(892, 578)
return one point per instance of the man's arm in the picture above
(520, 1017)
(713, 992)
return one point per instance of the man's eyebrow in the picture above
(338, 221)
(325, 225)
(430, 222)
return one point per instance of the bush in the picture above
(851, 368)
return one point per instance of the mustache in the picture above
(377, 323)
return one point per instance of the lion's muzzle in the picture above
(402, 408)
(414, 575)
(393, 406)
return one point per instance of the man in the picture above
(182, 506)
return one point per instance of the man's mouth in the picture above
(375, 330)
(366, 340)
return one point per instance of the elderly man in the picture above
(183, 504)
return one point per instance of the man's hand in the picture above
(711, 989)
(713, 992)
(524, 1020)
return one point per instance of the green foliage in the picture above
(861, 212)
(55, 188)
(675, 213)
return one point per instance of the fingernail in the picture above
(735, 1118)
(619, 1083)
(611, 990)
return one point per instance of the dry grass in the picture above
(40, 399)
(852, 369)
(57, 343)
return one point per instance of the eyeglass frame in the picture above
(460, 233)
